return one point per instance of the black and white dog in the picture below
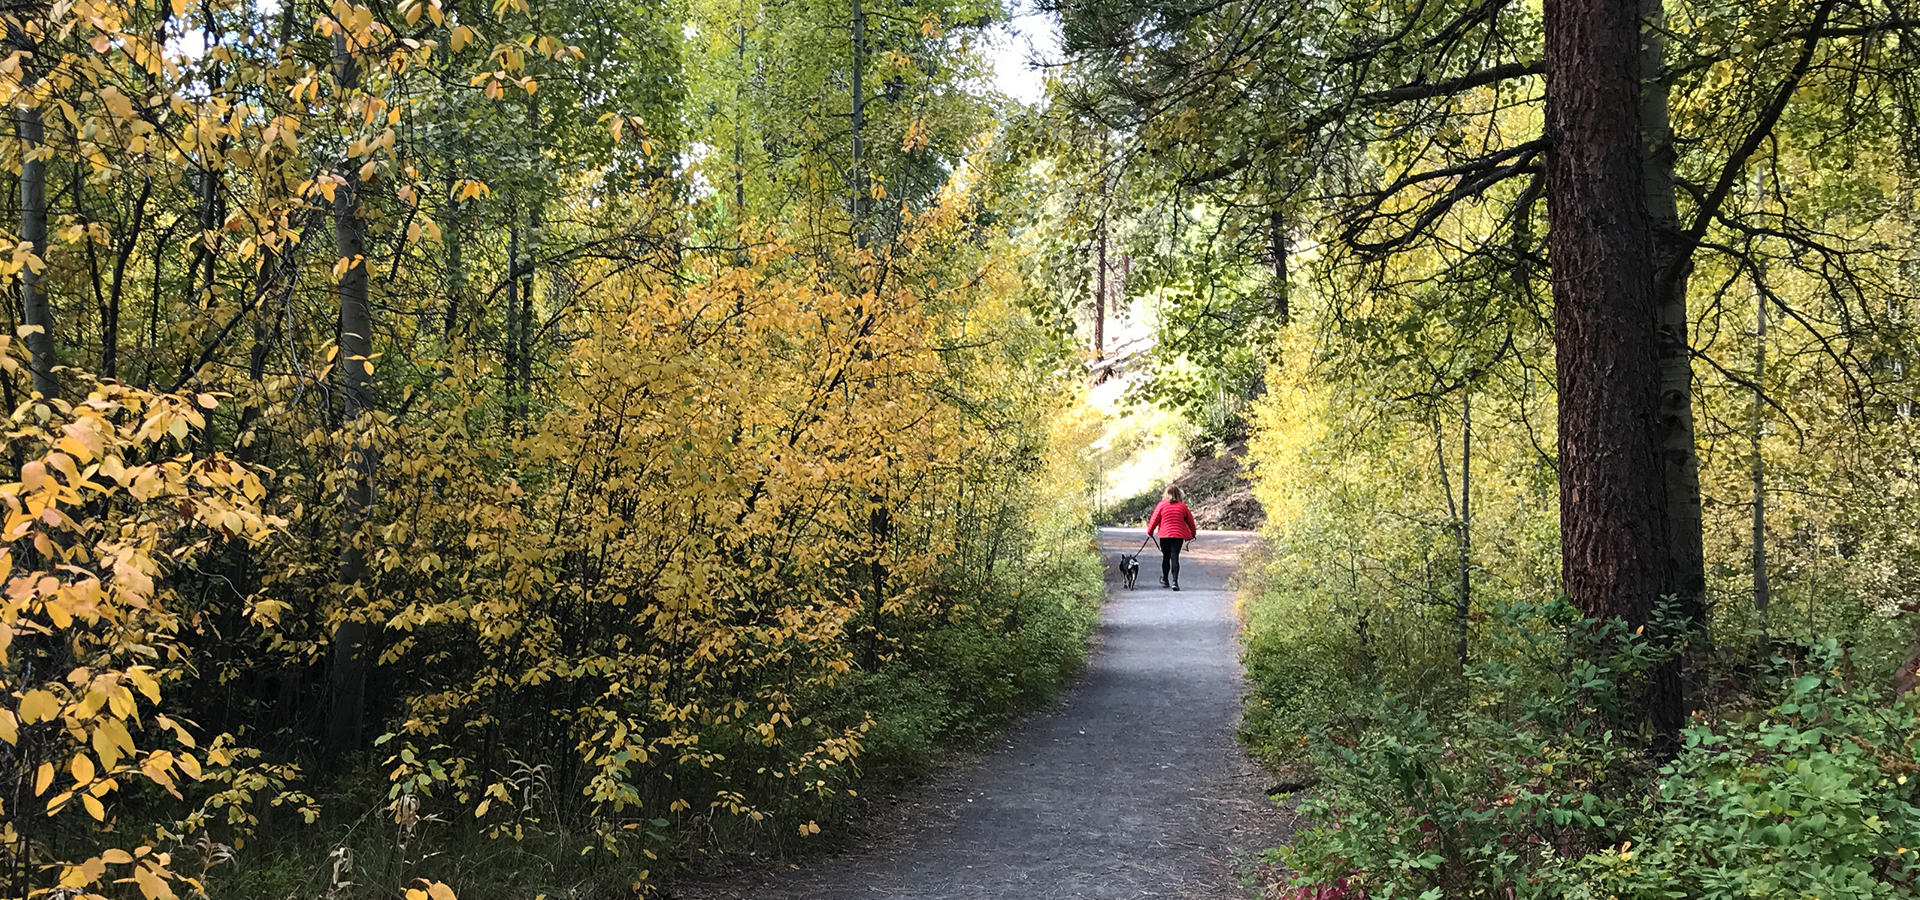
(1130, 568)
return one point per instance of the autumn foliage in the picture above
(396, 438)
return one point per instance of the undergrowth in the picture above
(1524, 777)
(1018, 641)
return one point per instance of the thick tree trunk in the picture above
(1615, 547)
(345, 723)
(1680, 460)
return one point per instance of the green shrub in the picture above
(1815, 797)
(1526, 791)
(1525, 777)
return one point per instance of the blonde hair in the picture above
(1175, 494)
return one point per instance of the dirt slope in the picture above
(1217, 487)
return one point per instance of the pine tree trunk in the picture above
(1615, 546)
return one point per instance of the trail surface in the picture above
(1132, 787)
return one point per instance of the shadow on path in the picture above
(1133, 786)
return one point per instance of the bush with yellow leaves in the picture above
(114, 494)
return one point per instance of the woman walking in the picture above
(1173, 523)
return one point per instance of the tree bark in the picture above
(35, 310)
(528, 253)
(127, 240)
(1615, 546)
(263, 338)
(345, 723)
(455, 229)
(1100, 285)
(515, 410)
(739, 112)
(1463, 601)
(1277, 234)
(858, 208)
(1672, 260)
(1762, 589)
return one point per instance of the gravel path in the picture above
(1133, 786)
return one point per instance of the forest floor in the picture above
(1132, 786)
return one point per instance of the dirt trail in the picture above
(1133, 786)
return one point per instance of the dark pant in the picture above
(1170, 557)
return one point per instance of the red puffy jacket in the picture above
(1171, 520)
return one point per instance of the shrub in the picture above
(1815, 797)
(1525, 791)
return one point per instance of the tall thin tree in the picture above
(36, 312)
(345, 722)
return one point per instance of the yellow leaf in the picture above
(82, 768)
(111, 741)
(43, 779)
(117, 103)
(9, 727)
(152, 886)
(57, 613)
(38, 706)
(143, 680)
(95, 808)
